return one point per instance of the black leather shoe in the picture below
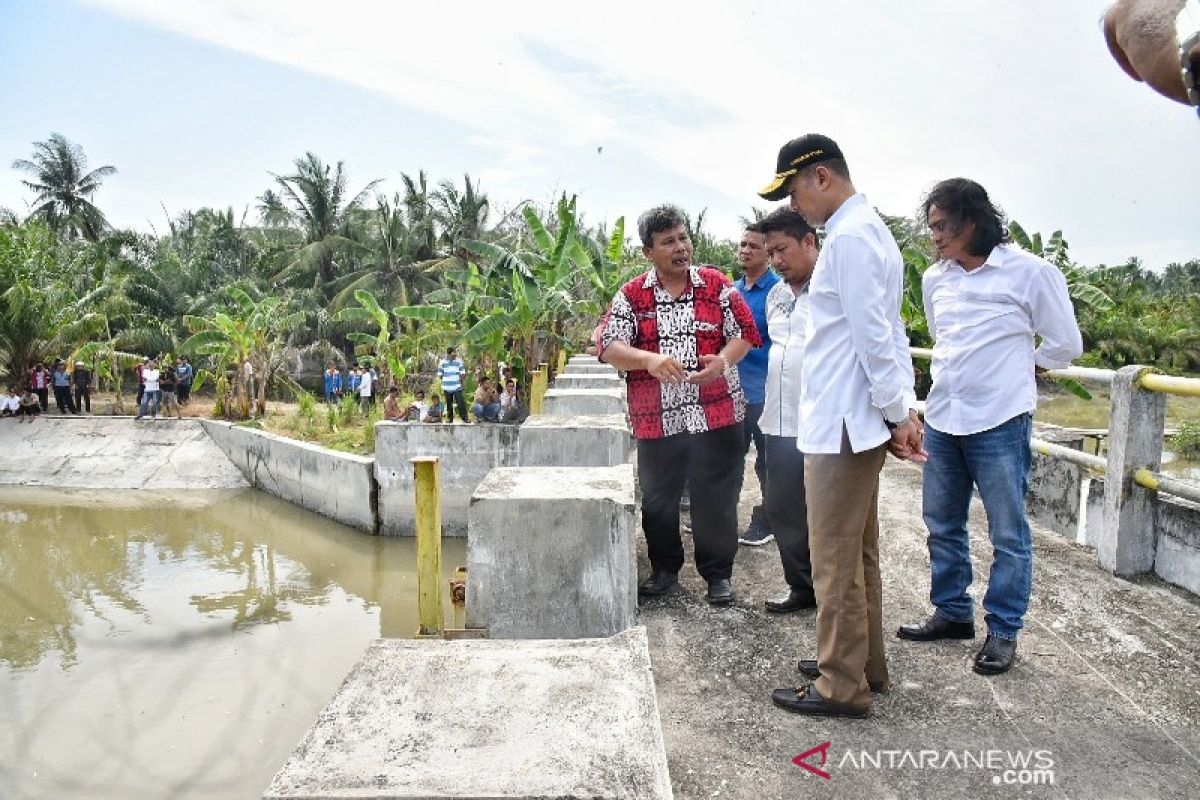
(807, 700)
(795, 600)
(937, 627)
(658, 583)
(720, 592)
(995, 656)
(808, 668)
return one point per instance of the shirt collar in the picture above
(852, 202)
(995, 259)
(652, 277)
(765, 281)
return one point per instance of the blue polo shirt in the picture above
(752, 370)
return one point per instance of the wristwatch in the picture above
(1187, 34)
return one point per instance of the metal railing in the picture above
(1148, 380)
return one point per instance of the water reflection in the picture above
(178, 644)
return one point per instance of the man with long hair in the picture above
(985, 301)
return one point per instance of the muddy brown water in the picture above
(179, 645)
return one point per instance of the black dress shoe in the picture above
(659, 582)
(795, 600)
(808, 668)
(720, 592)
(807, 700)
(995, 656)
(937, 627)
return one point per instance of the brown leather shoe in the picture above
(807, 700)
(808, 668)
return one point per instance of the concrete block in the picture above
(552, 553)
(487, 719)
(601, 440)
(1135, 438)
(337, 485)
(568, 380)
(467, 453)
(588, 369)
(113, 453)
(1054, 498)
(579, 402)
(583, 358)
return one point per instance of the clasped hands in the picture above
(906, 442)
(668, 370)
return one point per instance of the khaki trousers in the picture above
(843, 524)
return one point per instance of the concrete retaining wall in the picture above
(568, 380)
(113, 453)
(1177, 553)
(334, 484)
(467, 453)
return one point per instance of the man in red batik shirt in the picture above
(677, 332)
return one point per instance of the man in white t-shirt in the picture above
(365, 388)
(150, 393)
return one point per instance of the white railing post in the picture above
(1135, 439)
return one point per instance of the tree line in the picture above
(320, 270)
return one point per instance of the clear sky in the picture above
(626, 104)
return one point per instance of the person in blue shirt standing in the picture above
(333, 384)
(755, 284)
(451, 370)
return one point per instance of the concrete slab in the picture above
(596, 368)
(583, 358)
(577, 402)
(569, 380)
(467, 453)
(552, 553)
(113, 453)
(597, 440)
(487, 719)
(334, 484)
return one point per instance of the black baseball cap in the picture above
(811, 148)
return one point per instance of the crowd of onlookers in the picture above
(493, 401)
(164, 388)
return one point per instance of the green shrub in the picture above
(347, 409)
(308, 407)
(1186, 443)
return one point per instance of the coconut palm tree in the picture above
(64, 187)
(319, 202)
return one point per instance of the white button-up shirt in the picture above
(983, 323)
(787, 323)
(857, 368)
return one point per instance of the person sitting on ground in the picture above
(10, 403)
(511, 408)
(421, 406)
(31, 406)
(436, 410)
(167, 384)
(412, 413)
(487, 403)
(391, 406)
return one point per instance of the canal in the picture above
(179, 644)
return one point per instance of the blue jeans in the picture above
(488, 413)
(996, 461)
(150, 400)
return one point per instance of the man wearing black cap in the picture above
(856, 397)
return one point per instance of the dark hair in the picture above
(837, 166)
(786, 221)
(964, 202)
(657, 220)
(754, 227)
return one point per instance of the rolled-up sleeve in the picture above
(1053, 319)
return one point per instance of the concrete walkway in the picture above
(1107, 683)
